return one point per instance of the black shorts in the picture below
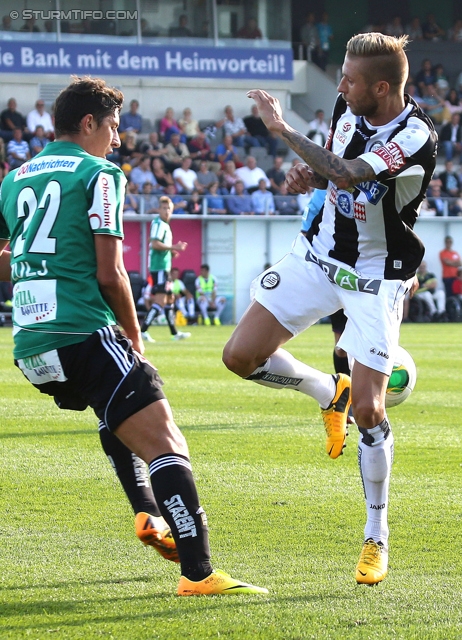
(161, 282)
(338, 320)
(106, 374)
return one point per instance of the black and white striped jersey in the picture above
(369, 227)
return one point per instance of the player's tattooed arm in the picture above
(326, 165)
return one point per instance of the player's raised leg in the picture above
(254, 352)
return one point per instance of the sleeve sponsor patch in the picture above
(392, 155)
(103, 211)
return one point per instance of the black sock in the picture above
(153, 312)
(131, 471)
(170, 316)
(341, 364)
(175, 491)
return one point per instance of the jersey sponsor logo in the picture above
(392, 155)
(34, 301)
(183, 520)
(346, 127)
(48, 164)
(360, 211)
(270, 280)
(345, 203)
(340, 137)
(344, 278)
(373, 190)
(102, 214)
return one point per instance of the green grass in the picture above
(281, 513)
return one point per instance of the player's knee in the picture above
(237, 361)
(368, 412)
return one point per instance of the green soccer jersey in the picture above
(50, 208)
(160, 260)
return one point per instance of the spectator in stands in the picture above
(174, 152)
(235, 127)
(450, 262)
(436, 202)
(149, 199)
(179, 203)
(228, 177)
(162, 176)
(195, 203)
(286, 203)
(262, 199)
(205, 177)
(428, 291)
(3, 171)
(395, 27)
(318, 129)
(142, 173)
(185, 177)
(39, 116)
(276, 175)
(38, 142)
(169, 126)
(240, 203)
(455, 32)
(7, 23)
(450, 180)
(326, 35)
(441, 81)
(425, 76)
(251, 174)
(128, 150)
(309, 36)
(451, 137)
(257, 129)
(215, 202)
(3, 157)
(188, 126)
(182, 30)
(199, 149)
(452, 102)
(30, 26)
(132, 120)
(431, 30)
(11, 119)
(152, 146)
(226, 151)
(250, 31)
(17, 150)
(207, 296)
(132, 198)
(411, 89)
(414, 29)
(433, 105)
(184, 299)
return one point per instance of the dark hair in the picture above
(82, 97)
(205, 266)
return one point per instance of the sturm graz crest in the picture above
(270, 280)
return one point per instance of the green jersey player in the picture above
(61, 213)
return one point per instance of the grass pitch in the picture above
(281, 513)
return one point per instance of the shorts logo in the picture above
(346, 127)
(373, 350)
(392, 155)
(377, 352)
(270, 280)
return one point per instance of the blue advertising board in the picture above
(166, 61)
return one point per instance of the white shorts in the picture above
(301, 289)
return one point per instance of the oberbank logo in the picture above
(48, 164)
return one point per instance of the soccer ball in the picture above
(402, 380)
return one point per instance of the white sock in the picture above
(283, 371)
(375, 466)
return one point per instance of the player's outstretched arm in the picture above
(323, 163)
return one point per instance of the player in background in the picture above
(161, 250)
(207, 296)
(62, 215)
(360, 254)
